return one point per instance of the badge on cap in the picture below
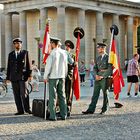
(102, 45)
(17, 40)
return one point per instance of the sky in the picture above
(1, 6)
(134, 0)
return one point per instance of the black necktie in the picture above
(17, 55)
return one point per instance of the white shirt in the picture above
(56, 65)
(17, 52)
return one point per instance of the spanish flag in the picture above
(118, 81)
(46, 44)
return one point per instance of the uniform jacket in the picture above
(16, 66)
(102, 67)
(56, 65)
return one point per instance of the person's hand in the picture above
(75, 64)
(7, 81)
(97, 77)
(45, 80)
(30, 78)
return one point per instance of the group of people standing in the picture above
(59, 74)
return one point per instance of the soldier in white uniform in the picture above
(55, 73)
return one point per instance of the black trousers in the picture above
(68, 91)
(20, 96)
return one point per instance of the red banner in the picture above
(76, 83)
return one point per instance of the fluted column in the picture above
(81, 23)
(43, 18)
(130, 37)
(8, 35)
(23, 28)
(61, 23)
(99, 27)
(120, 49)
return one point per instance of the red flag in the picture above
(118, 81)
(76, 82)
(46, 44)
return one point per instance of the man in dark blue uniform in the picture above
(18, 63)
(102, 70)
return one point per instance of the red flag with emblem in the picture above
(76, 82)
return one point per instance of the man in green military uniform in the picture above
(69, 79)
(102, 70)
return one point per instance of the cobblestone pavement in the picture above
(116, 124)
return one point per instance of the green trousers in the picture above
(57, 89)
(99, 85)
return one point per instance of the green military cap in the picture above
(101, 45)
(69, 44)
(17, 40)
(54, 40)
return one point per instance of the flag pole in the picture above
(46, 84)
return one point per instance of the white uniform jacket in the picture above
(56, 65)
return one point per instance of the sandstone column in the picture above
(130, 37)
(23, 28)
(43, 18)
(8, 35)
(81, 23)
(99, 28)
(119, 47)
(61, 23)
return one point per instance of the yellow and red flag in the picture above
(46, 44)
(76, 82)
(118, 81)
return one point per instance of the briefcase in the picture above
(39, 106)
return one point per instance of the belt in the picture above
(102, 70)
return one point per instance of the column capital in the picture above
(61, 6)
(41, 8)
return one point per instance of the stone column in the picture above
(118, 42)
(8, 36)
(23, 29)
(81, 23)
(99, 27)
(130, 37)
(43, 18)
(61, 23)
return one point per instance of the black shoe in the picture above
(128, 94)
(136, 94)
(87, 112)
(68, 114)
(58, 114)
(118, 105)
(29, 112)
(19, 113)
(102, 112)
(52, 119)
